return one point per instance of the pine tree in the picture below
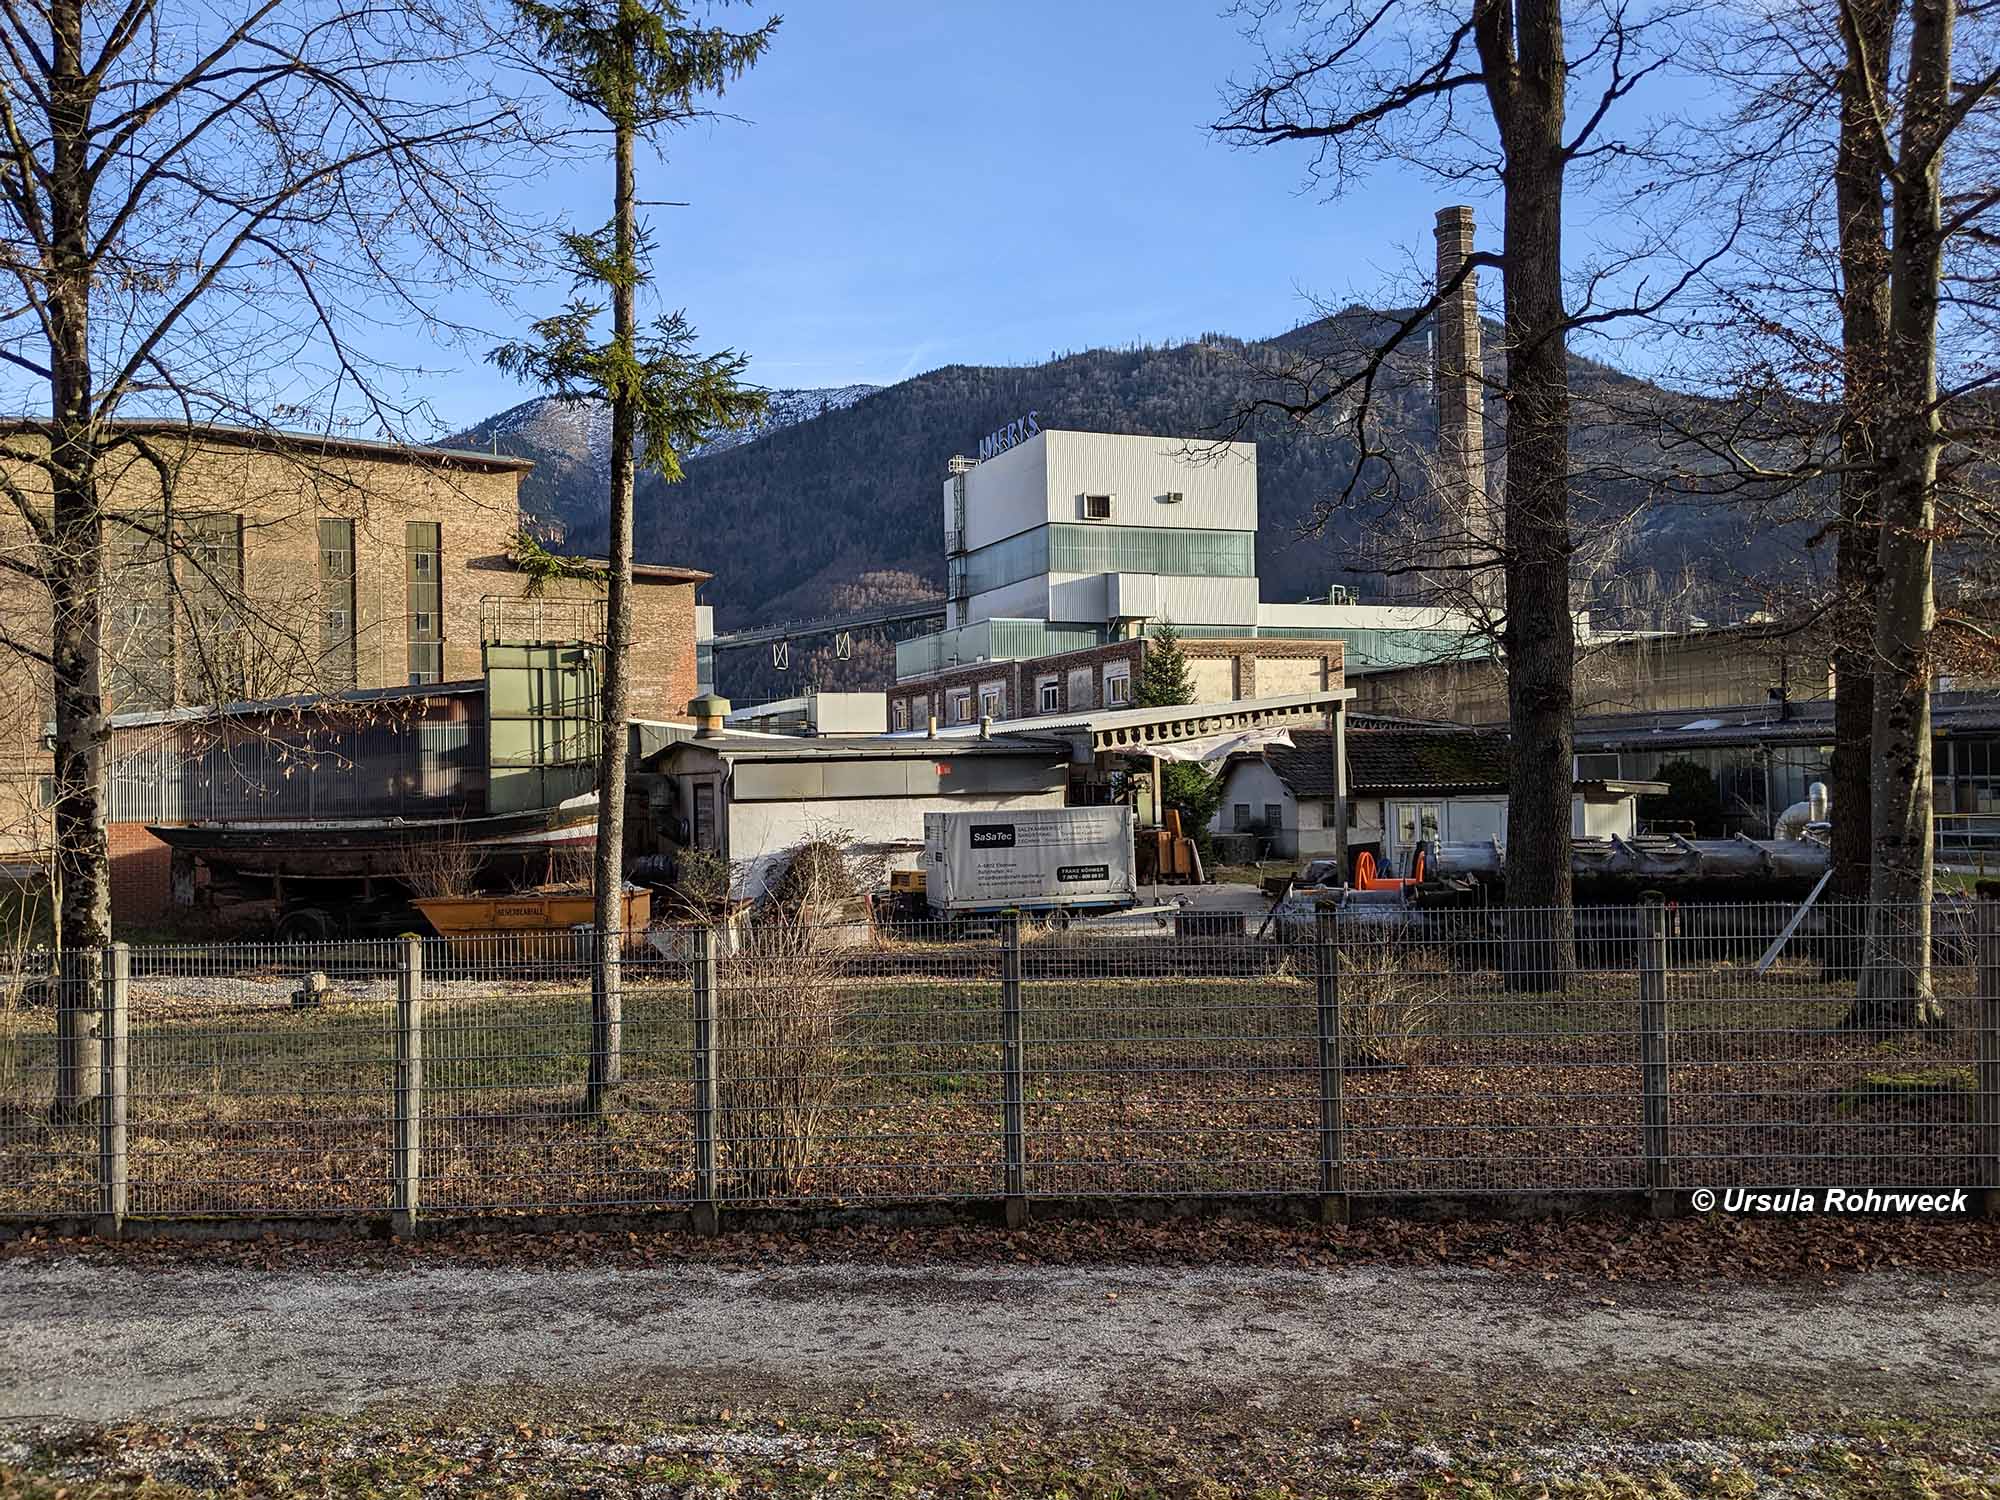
(1165, 679)
(639, 67)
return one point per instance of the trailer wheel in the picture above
(305, 924)
(1059, 919)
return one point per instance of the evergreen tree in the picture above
(638, 67)
(1165, 680)
(1691, 797)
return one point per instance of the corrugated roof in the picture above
(272, 438)
(1443, 760)
(1306, 768)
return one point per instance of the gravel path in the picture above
(98, 1343)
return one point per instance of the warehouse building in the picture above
(266, 567)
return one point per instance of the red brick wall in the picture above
(141, 882)
(928, 695)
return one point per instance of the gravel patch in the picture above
(96, 1343)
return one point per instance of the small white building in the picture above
(816, 713)
(1404, 786)
(752, 798)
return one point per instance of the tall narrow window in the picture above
(423, 544)
(336, 599)
(206, 567)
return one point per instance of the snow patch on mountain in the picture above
(787, 409)
(581, 430)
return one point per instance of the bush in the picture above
(1691, 797)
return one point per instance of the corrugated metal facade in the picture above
(428, 762)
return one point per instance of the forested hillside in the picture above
(842, 509)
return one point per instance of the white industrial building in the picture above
(1064, 541)
(1089, 529)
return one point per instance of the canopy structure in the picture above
(1156, 731)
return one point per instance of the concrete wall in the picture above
(1704, 669)
(1279, 675)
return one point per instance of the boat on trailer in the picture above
(359, 848)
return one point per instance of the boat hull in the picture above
(359, 848)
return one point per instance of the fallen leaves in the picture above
(1582, 1252)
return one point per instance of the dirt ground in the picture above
(141, 1375)
(106, 1345)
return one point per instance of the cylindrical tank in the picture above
(1819, 801)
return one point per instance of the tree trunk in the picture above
(83, 847)
(607, 986)
(1540, 637)
(1864, 265)
(1895, 987)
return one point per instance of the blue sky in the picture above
(918, 184)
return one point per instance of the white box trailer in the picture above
(1037, 859)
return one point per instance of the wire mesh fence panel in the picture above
(48, 1126)
(1848, 1059)
(853, 1063)
(510, 1120)
(1485, 1052)
(260, 1079)
(1176, 1060)
(1388, 1048)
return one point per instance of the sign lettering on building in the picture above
(1001, 439)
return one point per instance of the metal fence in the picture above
(1381, 1052)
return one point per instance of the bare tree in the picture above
(1895, 983)
(202, 209)
(1483, 93)
(1866, 161)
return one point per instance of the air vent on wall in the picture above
(1172, 497)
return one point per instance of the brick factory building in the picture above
(246, 565)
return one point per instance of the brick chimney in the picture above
(1456, 379)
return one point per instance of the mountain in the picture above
(570, 443)
(834, 504)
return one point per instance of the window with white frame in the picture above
(992, 703)
(960, 701)
(1097, 507)
(1048, 694)
(900, 713)
(1118, 686)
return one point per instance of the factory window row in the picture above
(1184, 552)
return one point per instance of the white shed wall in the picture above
(761, 832)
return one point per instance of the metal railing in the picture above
(1387, 1052)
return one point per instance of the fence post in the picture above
(1332, 1080)
(703, 1210)
(113, 1178)
(1014, 1141)
(1653, 1056)
(1987, 1101)
(406, 1163)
